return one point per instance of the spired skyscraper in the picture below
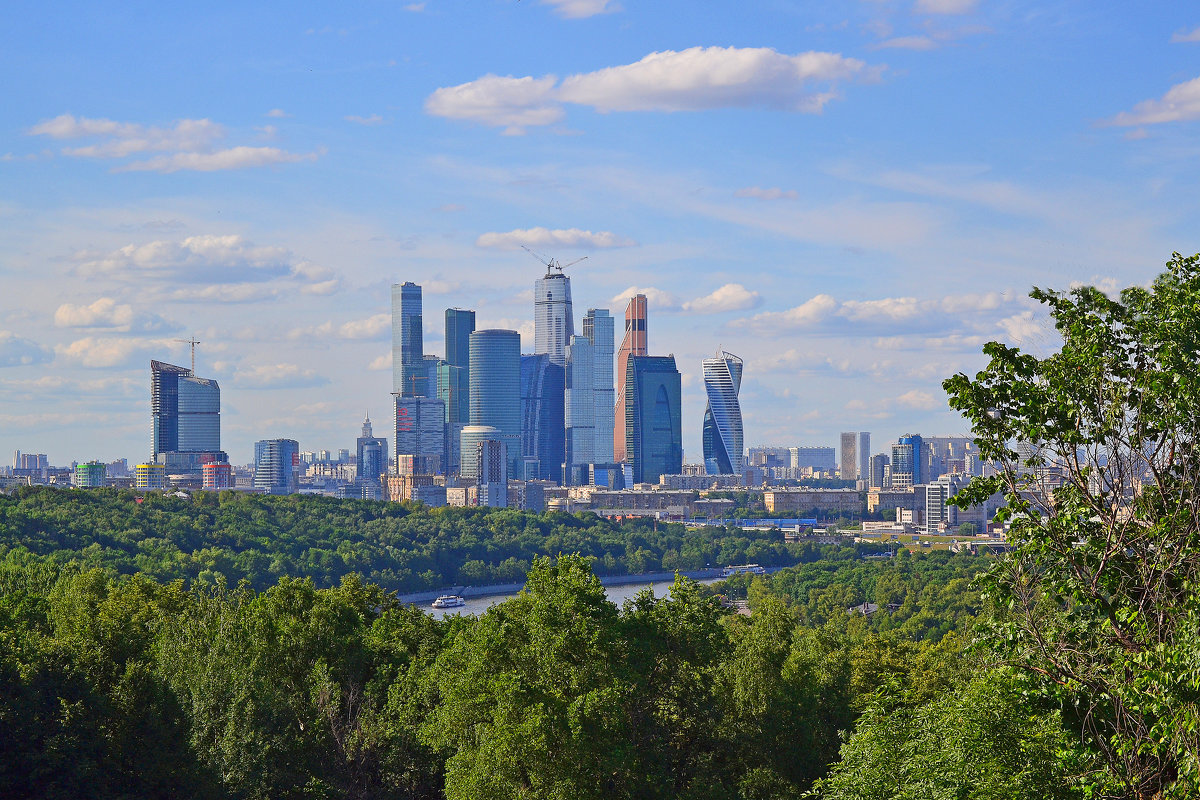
(372, 460)
(723, 453)
(634, 344)
(553, 324)
(185, 414)
(653, 419)
(409, 373)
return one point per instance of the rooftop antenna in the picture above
(551, 263)
(192, 341)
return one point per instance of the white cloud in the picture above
(381, 364)
(216, 261)
(579, 9)
(16, 351)
(374, 119)
(103, 353)
(1186, 36)
(1181, 102)
(233, 158)
(277, 113)
(106, 313)
(544, 237)
(656, 299)
(375, 327)
(278, 376)
(773, 193)
(695, 79)
(893, 308)
(907, 43)
(190, 144)
(945, 6)
(917, 399)
(514, 103)
(807, 314)
(730, 297)
(712, 77)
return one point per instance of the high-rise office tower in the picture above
(723, 453)
(421, 432)
(492, 479)
(454, 381)
(580, 410)
(372, 454)
(275, 464)
(553, 318)
(495, 372)
(186, 418)
(653, 419)
(598, 328)
(907, 462)
(408, 354)
(848, 467)
(634, 344)
(878, 472)
(542, 422)
(864, 455)
(472, 436)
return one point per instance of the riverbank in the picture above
(422, 598)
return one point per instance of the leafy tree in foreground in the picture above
(1100, 446)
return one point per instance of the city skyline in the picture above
(852, 197)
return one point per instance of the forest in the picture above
(401, 547)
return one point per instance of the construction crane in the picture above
(192, 341)
(551, 263)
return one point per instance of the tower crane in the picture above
(551, 263)
(192, 341)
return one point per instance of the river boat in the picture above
(449, 601)
(753, 569)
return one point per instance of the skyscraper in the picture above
(372, 454)
(723, 453)
(598, 328)
(186, 417)
(408, 355)
(492, 479)
(421, 432)
(907, 461)
(495, 371)
(634, 344)
(653, 420)
(848, 468)
(542, 421)
(553, 317)
(580, 410)
(275, 465)
(864, 455)
(454, 381)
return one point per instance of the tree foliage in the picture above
(1100, 451)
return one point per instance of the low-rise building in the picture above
(827, 501)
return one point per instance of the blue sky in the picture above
(852, 196)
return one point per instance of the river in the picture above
(617, 594)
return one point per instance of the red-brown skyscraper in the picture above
(634, 344)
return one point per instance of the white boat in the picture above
(449, 601)
(753, 569)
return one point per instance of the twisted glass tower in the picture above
(723, 453)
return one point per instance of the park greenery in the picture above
(233, 647)
(399, 546)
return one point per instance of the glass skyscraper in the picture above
(185, 416)
(553, 320)
(908, 462)
(275, 464)
(542, 420)
(495, 374)
(580, 410)
(421, 432)
(634, 344)
(408, 355)
(723, 453)
(598, 328)
(653, 419)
